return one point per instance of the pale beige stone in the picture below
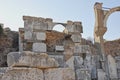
(59, 74)
(70, 62)
(30, 59)
(22, 74)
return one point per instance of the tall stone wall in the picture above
(47, 54)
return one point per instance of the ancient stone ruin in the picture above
(46, 54)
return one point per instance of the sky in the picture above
(11, 12)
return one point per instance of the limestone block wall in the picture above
(49, 55)
(35, 31)
(38, 34)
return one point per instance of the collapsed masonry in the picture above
(45, 54)
(49, 55)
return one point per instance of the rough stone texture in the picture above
(112, 47)
(68, 53)
(22, 74)
(54, 38)
(60, 55)
(81, 49)
(8, 42)
(76, 38)
(70, 62)
(59, 59)
(78, 60)
(59, 74)
(93, 72)
(112, 67)
(83, 74)
(117, 59)
(39, 47)
(30, 59)
(74, 27)
(40, 35)
(118, 73)
(28, 35)
(59, 48)
(101, 17)
(101, 75)
(77, 49)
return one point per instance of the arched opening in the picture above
(113, 27)
(59, 28)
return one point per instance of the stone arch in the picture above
(112, 25)
(63, 27)
(109, 13)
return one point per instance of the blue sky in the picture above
(11, 12)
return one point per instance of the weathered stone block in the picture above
(36, 23)
(39, 47)
(13, 57)
(86, 49)
(23, 74)
(2, 71)
(74, 27)
(59, 59)
(59, 48)
(101, 75)
(76, 38)
(83, 74)
(30, 59)
(78, 62)
(28, 25)
(59, 74)
(68, 53)
(77, 49)
(117, 59)
(81, 49)
(70, 62)
(28, 35)
(93, 72)
(112, 67)
(40, 35)
(78, 27)
(43, 61)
